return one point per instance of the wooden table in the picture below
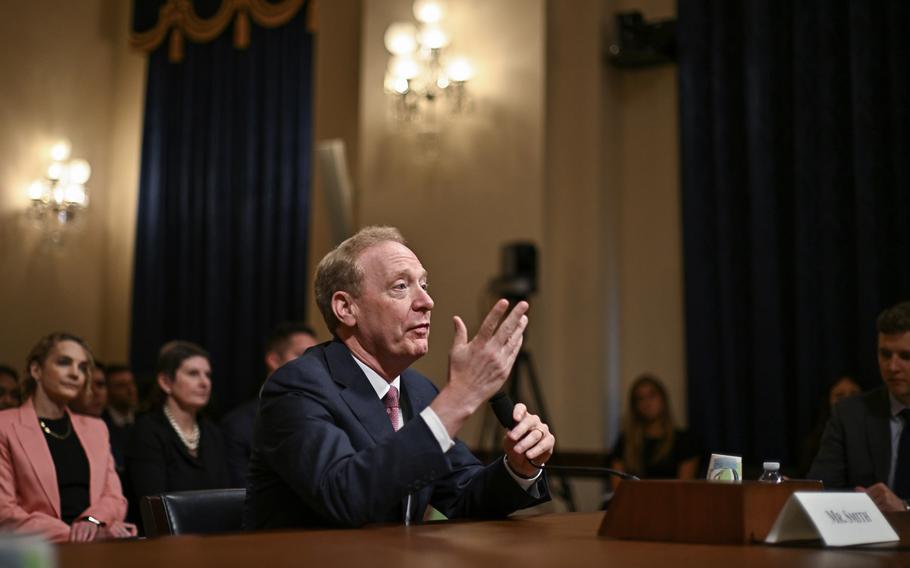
(549, 540)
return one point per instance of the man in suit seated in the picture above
(285, 343)
(866, 444)
(347, 434)
(120, 414)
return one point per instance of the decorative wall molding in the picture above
(179, 18)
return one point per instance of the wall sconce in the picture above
(420, 70)
(59, 198)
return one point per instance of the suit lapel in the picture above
(878, 432)
(39, 455)
(415, 397)
(95, 452)
(363, 402)
(358, 393)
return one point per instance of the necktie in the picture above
(391, 407)
(902, 472)
(394, 411)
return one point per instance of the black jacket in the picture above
(856, 446)
(158, 462)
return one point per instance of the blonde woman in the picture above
(650, 445)
(57, 474)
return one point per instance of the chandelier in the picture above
(59, 198)
(422, 75)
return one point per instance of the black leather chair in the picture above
(193, 512)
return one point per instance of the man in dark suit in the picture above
(347, 434)
(285, 343)
(866, 444)
(120, 414)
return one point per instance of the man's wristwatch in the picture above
(93, 520)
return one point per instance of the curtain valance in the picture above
(203, 21)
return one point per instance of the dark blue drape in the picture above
(795, 125)
(223, 218)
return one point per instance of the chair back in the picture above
(193, 512)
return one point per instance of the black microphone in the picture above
(503, 406)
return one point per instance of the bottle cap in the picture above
(771, 465)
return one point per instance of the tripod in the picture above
(524, 368)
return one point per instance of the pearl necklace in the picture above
(192, 441)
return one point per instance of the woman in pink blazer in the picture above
(57, 474)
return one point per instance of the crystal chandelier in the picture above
(59, 199)
(422, 75)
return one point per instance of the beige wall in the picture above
(336, 115)
(68, 73)
(128, 89)
(460, 193)
(650, 234)
(613, 282)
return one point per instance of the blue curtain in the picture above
(224, 200)
(795, 134)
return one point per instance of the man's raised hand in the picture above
(479, 367)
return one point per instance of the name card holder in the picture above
(697, 511)
(839, 519)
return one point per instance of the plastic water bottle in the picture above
(771, 473)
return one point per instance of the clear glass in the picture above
(771, 473)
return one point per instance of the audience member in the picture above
(93, 399)
(9, 387)
(838, 389)
(651, 446)
(866, 444)
(348, 434)
(52, 482)
(122, 396)
(120, 414)
(173, 448)
(285, 343)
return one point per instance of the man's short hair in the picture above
(280, 337)
(115, 368)
(895, 319)
(10, 372)
(339, 271)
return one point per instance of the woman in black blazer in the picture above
(173, 448)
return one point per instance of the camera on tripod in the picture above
(516, 282)
(518, 277)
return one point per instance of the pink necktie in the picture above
(391, 407)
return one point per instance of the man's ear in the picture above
(344, 308)
(272, 361)
(164, 383)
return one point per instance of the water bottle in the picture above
(771, 473)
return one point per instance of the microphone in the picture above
(503, 406)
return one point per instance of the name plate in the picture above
(839, 519)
